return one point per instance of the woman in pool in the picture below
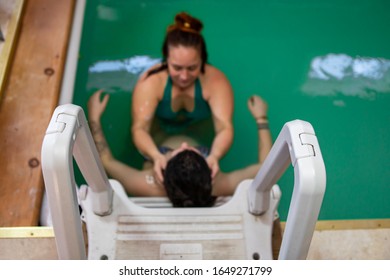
(180, 95)
(187, 177)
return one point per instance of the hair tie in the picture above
(186, 27)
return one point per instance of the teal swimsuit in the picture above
(176, 122)
(196, 124)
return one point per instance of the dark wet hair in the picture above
(184, 32)
(187, 180)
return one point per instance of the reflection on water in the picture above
(340, 74)
(113, 75)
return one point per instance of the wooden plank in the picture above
(11, 12)
(349, 224)
(26, 232)
(353, 224)
(28, 101)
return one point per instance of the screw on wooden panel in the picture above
(49, 71)
(256, 256)
(34, 162)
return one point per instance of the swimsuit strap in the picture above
(198, 90)
(168, 89)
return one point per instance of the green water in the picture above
(326, 62)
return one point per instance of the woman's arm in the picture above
(96, 108)
(259, 108)
(135, 182)
(221, 103)
(144, 103)
(226, 183)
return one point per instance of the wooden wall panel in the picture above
(10, 17)
(28, 101)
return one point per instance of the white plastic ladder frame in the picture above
(68, 135)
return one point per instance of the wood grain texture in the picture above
(28, 101)
(10, 21)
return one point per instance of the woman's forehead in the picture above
(183, 55)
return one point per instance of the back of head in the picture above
(187, 180)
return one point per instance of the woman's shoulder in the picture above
(149, 77)
(153, 83)
(214, 79)
(213, 74)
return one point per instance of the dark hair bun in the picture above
(185, 21)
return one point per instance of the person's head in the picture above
(187, 180)
(184, 50)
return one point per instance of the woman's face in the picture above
(184, 65)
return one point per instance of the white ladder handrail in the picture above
(297, 144)
(68, 135)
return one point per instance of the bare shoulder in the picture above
(147, 93)
(213, 74)
(215, 83)
(151, 86)
(144, 184)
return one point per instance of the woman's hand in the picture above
(159, 164)
(213, 164)
(96, 106)
(258, 107)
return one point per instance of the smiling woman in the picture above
(181, 92)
